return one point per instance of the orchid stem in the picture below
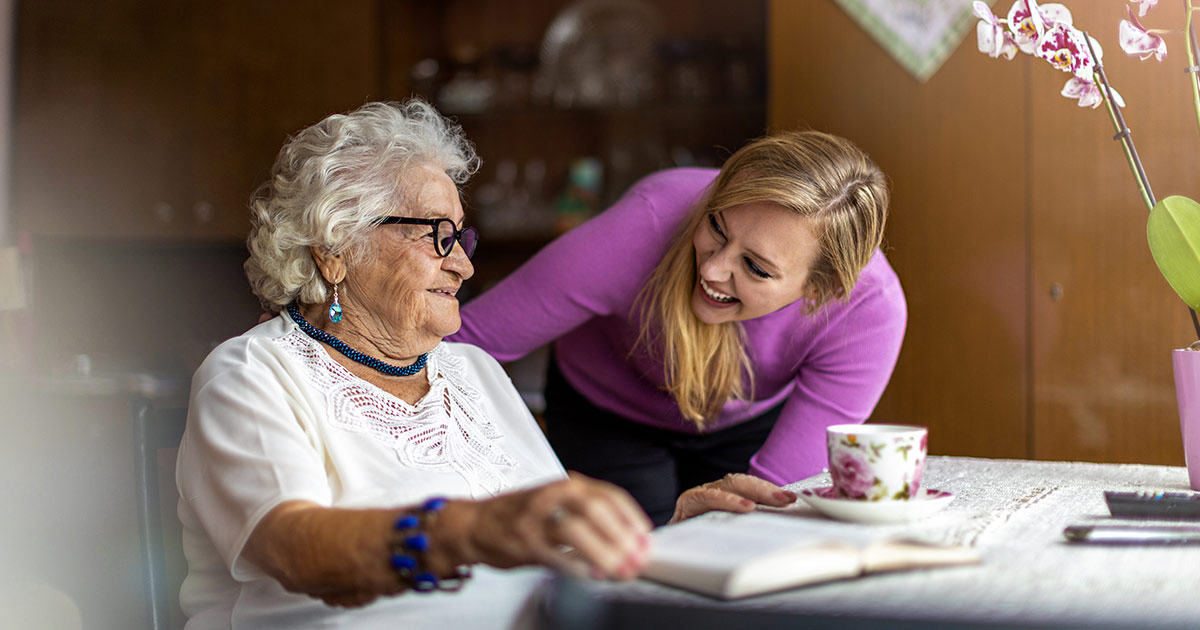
(1191, 52)
(1123, 133)
(1126, 137)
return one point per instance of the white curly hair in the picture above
(331, 181)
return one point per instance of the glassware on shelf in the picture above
(686, 70)
(491, 200)
(506, 209)
(467, 91)
(577, 203)
(425, 76)
(539, 215)
(631, 158)
(515, 68)
(600, 54)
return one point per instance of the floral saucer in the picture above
(828, 503)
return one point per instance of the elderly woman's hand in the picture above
(734, 492)
(341, 556)
(607, 529)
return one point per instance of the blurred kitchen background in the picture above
(140, 129)
(137, 129)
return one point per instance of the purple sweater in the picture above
(830, 368)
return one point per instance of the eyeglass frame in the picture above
(458, 234)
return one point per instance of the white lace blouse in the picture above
(273, 418)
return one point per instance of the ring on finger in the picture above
(557, 516)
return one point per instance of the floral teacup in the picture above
(876, 462)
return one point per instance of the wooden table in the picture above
(1012, 511)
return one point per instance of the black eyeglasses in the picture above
(444, 234)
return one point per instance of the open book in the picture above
(738, 555)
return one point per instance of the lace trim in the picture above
(447, 428)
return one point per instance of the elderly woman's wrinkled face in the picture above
(402, 280)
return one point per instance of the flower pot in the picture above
(1187, 392)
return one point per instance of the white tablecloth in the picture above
(1013, 512)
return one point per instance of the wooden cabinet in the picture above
(691, 91)
(1038, 324)
(98, 132)
(956, 236)
(146, 119)
(1103, 319)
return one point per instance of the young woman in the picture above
(711, 322)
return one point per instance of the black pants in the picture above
(653, 465)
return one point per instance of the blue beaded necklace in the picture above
(351, 353)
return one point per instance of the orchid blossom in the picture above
(1066, 48)
(1044, 31)
(994, 39)
(1136, 40)
(1047, 32)
(1028, 22)
(1088, 93)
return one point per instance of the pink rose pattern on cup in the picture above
(852, 464)
(851, 474)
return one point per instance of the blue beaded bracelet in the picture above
(409, 545)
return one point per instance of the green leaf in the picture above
(1173, 232)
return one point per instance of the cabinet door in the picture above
(1039, 326)
(1103, 319)
(956, 235)
(262, 71)
(98, 134)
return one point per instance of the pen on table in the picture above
(1132, 534)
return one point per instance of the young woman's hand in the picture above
(607, 529)
(734, 492)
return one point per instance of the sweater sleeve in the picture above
(840, 382)
(594, 270)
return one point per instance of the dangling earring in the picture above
(335, 309)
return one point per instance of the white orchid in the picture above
(1066, 48)
(1088, 93)
(1136, 40)
(995, 40)
(1028, 21)
(1047, 32)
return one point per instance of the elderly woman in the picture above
(342, 453)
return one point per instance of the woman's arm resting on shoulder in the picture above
(594, 269)
(343, 556)
(732, 493)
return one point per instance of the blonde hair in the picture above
(332, 181)
(821, 177)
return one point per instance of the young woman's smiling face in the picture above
(751, 260)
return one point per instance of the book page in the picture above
(893, 555)
(725, 540)
(734, 555)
